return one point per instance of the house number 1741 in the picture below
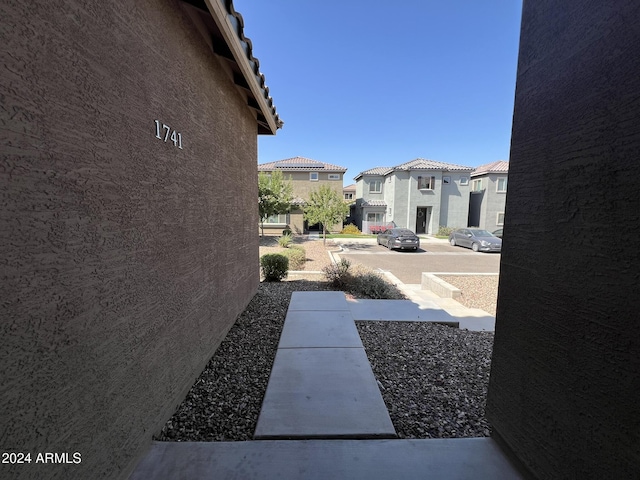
(164, 132)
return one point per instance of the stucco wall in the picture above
(399, 199)
(302, 186)
(564, 383)
(414, 198)
(491, 201)
(454, 202)
(366, 182)
(124, 259)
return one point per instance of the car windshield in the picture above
(481, 233)
(403, 232)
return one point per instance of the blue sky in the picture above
(370, 83)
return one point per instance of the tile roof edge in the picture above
(254, 63)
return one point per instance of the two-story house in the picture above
(306, 175)
(421, 195)
(488, 195)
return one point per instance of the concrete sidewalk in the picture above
(321, 383)
(436, 459)
(323, 415)
(321, 401)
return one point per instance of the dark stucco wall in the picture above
(565, 375)
(124, 259)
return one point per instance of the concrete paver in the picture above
(318, 301)
(315, 329)
(400, 311)
(321, 383)
(441, 459)
(323, 393)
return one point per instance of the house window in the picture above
(375, 186)
(464, 180)
(476, 185)
(313, 176)
(500, 219)
(446, 180)
(426, 183)
(334, 176)
(348, 196)
(281, 219)
(501, 185)
(375, 217)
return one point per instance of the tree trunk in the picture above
(324, 234)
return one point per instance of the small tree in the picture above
(325, 206)
(274, 195)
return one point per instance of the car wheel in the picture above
(474, 247)
(452, 242)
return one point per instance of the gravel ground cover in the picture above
(478, 291)
(224, 402)
(433, 378)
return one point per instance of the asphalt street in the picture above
(431, 257)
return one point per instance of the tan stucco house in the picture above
(306, 175)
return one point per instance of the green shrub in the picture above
(297, 257)
(274, 267)
(361, 281)
(373, 285)
(285, 240)
(445, 231)
(337, 274)
(351, 229)
(287, 231)
(364, 282)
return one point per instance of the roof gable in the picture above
(300, 164)
(417, 164)
(425, 164)
(499, 166)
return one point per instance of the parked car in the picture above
(476, 239)
(401, 238)
(498, 233)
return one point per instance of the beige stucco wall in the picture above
(119, 278)
(302, 188)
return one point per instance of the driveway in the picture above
(433, 256)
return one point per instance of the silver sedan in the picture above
(476, 239)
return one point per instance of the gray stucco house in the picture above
(488, 195)
(420, 195)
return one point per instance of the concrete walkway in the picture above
(321, 383)
(323, 415)
(435, 459)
